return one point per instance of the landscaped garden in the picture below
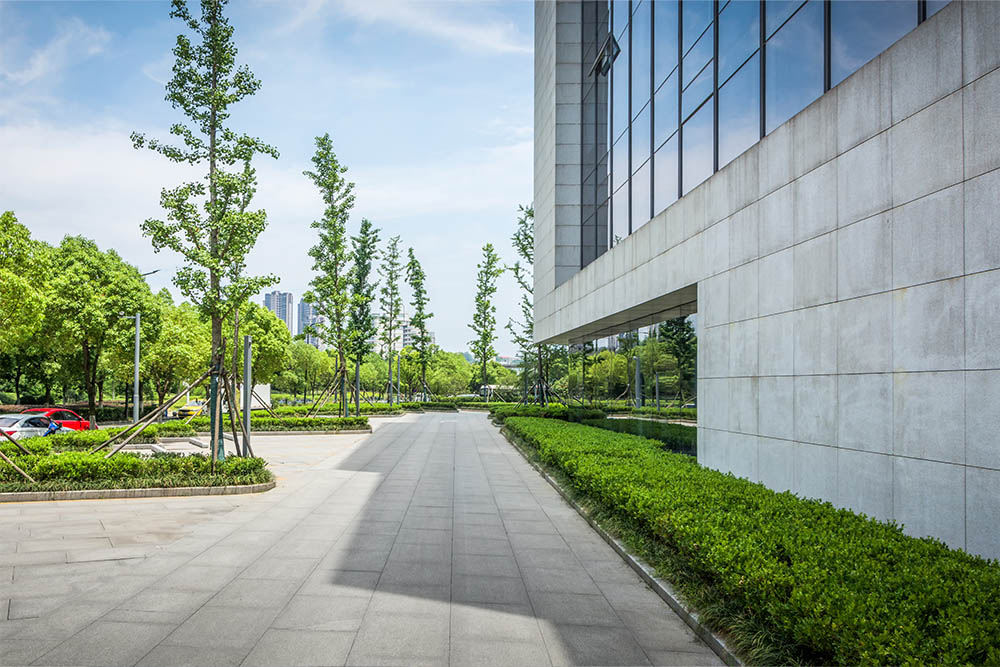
(785, 579)
(267, 424)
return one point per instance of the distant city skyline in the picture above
(281, 304)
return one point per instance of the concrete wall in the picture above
(847, 270)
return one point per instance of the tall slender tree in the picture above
(415, 277)
(361, 329)
(390, 301)
(484, 320)
(329, 293)
(209, 222)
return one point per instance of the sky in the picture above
(429, 104)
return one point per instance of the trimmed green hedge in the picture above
(828, 585)
(201, 424)
(329, 409)
(80, 470)
(501, 413)
(675, 437)
(67, 440)
(666, 413)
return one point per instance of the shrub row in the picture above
(674, 437)
(667, 413)
(66, 440)
(836, 587)
(80, 470)
(328, 409)
(501, 413)
(201, 424)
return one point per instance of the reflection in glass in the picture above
(642, 57)
(641, 147)
(697, 16)
(665, 111)
(777, 11)
(640, 196)
(739, 35)
(665, 36)
(739, 111)
(602, 227)
(700, 54)
(619, 100)
(619, 215)
(665, 175)
(619, 166)
(619, 16)
(698, 146)
(794, 64)
(588, 128)
(859, 31)
(696, 93)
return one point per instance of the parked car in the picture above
(191, 409)
(21, 426)
(62, 416)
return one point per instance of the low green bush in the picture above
(67, 440)
(825, 584)
(501, 413)
(675, 437)
(430, 406)
(201, 424)
(329, 409)
(666, 413)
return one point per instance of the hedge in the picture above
(291, 423)
(67, 440)
(831, 586)
(80, 470)
(329, 409)
(667, 413)
(501, 413)
(675, 437)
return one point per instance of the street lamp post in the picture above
(135, 377)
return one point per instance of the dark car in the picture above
(62, 416)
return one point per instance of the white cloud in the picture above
(73, 41)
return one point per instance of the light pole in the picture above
(135, 377)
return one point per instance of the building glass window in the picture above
(665, 175)
(665, 110)
(697, 92)
(698, 144)
(776, 12)
(699, 55)
(739, 36)
(619, 215)
(619, 163)
(641, 204)
(739, 111)
(619, 95)
(664, 40)
(642, 56)
(794, 65)
(934, 6)
(859, 31)
(697, 14)
(641, 141)
(619, 15)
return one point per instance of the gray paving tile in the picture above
(476, 588)
(561, 580)
(168, 600)
(570, 608)
(498, 652)
(682, 659)
(409, 552)
(371, 561)
(223, 627)
(423, 536)
(491, 566)
(294, 569)
(494, 621)
(582, 645)
(660, 632)
(340, 583)
(23, 651)
(314, 612)
(547, 558)
(198, 578)
(191, 656)
(525, 541)
(255, 593)
(482, 546)
(300, 648)
(411, 600)
(107, 643)
(394, 636)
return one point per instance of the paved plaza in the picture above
(430, 541)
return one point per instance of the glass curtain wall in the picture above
(674, 90)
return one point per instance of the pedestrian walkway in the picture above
(430, 541)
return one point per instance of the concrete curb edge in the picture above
(154, 492)
(660, 586)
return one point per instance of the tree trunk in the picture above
(90, 382)
(357, 386)
(17, 385)
(100, 393)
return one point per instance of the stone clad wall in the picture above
(848, 288)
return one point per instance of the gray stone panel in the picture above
(774, 286)
(863, 103)
(928, 498)
(982, 222)
(815, 273)
(776, 344)
(816, 409)
(815, 474)
(982, 125)
(982, 320)
(865, 334)
(928, 64)
(816, 202)
(982, 419)
(982, 512)
(928, 238)
(927, 150)
(865, 412)
(980, 47)
(864, 257)
(743, 292)
(776, 463)
(743, 397)
(925, 406)
(777, 407)
(777, 220)
(927, 331)
(816, 335)
(864, 483)
(864, 185)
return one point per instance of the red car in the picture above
(66, 418)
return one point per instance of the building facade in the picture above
(819, 182)
(308, 316)
(282, 305)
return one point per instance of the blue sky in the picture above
(428, 104)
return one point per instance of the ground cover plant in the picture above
(328, 409)
(66, 440)
(501, 413)
(674, 437)
(201, 424)
(790, 580)
(74, 470)
(690, 414)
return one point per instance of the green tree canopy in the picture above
(484, 319)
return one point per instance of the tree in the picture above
(329, 288)
(214, 245)
(271, 341)
(484, 319)
(422, 340)
(390, 301)
(449, 373)
(682, 344)
(309, 363)
(181, 350)
(24, 268)
(90, 291)
(361, 331)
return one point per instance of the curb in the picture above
(660, 586)
(160, 492)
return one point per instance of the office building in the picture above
(308, 316)
(280, 303)
(818, 181)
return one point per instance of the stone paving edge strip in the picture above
(660, 586)
(160, 492)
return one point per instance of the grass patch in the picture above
(788, 580)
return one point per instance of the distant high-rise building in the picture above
(309, 317)
(405, 332)
(280, 303)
